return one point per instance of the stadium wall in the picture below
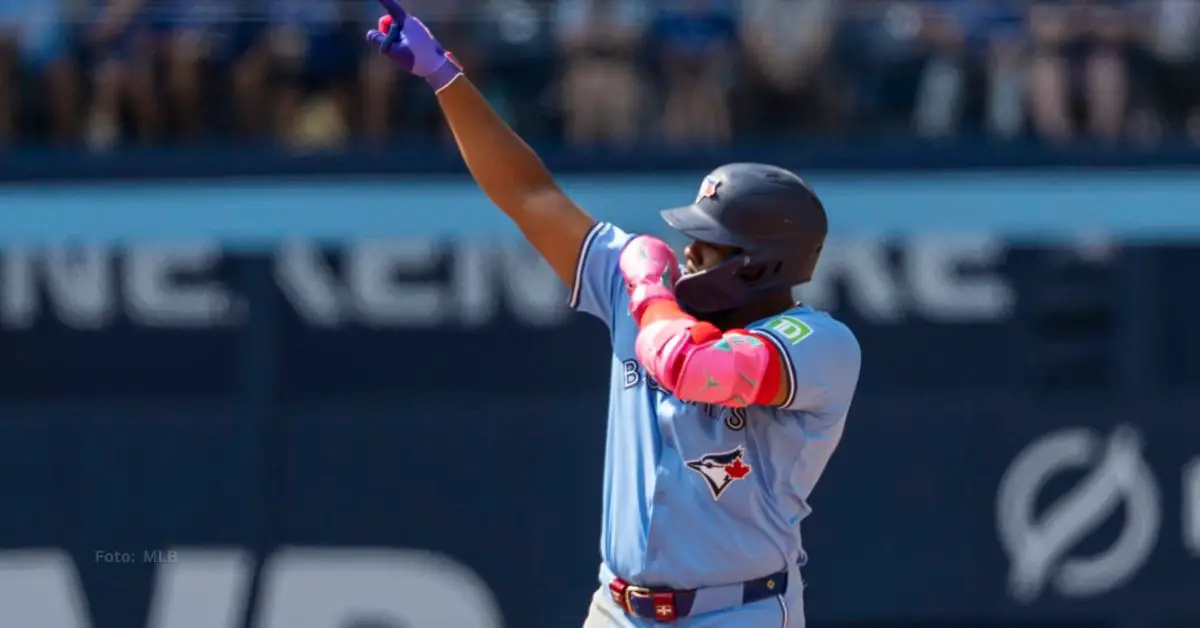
(219, 398)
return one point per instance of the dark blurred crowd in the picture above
(106, 73)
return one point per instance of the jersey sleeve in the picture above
(823, 361)
(598, 284)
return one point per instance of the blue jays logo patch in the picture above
(721, 470)
(708, 189)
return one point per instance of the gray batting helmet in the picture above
(770, 215)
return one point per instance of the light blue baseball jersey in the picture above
(697, 495)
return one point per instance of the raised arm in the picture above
(503, 165)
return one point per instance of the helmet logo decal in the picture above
(708, 189)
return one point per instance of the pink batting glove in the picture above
(650, 269)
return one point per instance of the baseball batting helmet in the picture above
(770, 215)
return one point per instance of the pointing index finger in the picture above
(394, 9)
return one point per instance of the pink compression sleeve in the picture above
(728, 370)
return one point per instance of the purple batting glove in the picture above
(407, 41)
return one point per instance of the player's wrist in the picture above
(644, 295)
(445, 74)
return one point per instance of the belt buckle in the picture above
(663, 603)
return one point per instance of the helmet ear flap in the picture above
(752, 274)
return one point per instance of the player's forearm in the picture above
(699, 363)
(503, 165)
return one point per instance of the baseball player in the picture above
(727, 397)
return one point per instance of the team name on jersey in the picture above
(634, 374)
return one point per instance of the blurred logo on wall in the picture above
(1043, 547)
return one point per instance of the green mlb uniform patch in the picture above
(793, 330)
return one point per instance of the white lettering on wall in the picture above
(405, 284)
(943, 279)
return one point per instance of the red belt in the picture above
(667, 605)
